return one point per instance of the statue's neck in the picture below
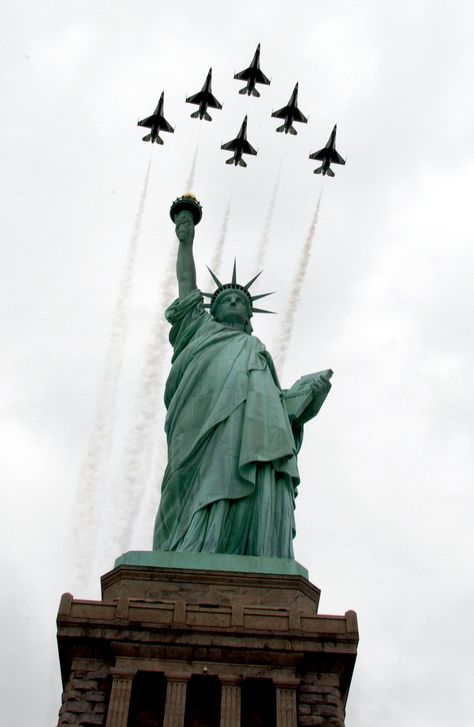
(236, 326)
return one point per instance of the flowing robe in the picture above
(231, 478)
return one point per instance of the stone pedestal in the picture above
(176, 646)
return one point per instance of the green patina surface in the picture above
(212, 562)
(230, 483)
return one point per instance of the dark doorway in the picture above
(203, 702)
(258, 703)
(147, 703)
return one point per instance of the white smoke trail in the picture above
(295, 295)
(93, 472)
(262, 246)
(140, 444)
(217, 259)
(143, 437)
(192, 171)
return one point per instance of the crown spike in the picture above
(251, 282)
(234, 272)
(262, 295)
(261, 310)
(214, 277)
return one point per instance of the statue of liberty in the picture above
(232, 473)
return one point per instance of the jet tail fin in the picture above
(195, 114)
(318, 170)
(244, 90)
(147, 137)
(207, 116)
(255, 92)
(281, 128)
(242, 163)
(292, 130)
(230, 161)
(330, 172)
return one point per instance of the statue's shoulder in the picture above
(189, 320)
(191, 305)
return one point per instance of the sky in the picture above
(381, 294)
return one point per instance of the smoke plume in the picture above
(217, 259)
(295, 295)
(93, 473)
(263, 243)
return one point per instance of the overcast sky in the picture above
(384, 514)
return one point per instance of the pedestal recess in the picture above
(172, 646)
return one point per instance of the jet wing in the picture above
(214, 103)
(159, 121)
(298, 116)
(336, 158)
(195, 98)
(319, 155)
(148, 122)
(331, 154)
(164, 126)
(281, 113)
(248, 148)
(260, 77)
(244, 75)
(231, 145)
(255, 73)
(290, 112)
(237, 144)
(208, 99)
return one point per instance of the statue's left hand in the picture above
(320, 389)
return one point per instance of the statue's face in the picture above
(232, 308)
(184, 224)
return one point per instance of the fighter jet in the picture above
(204, 98)
(328, 155)
(290, 113)
(252, 75)
(239, 146)
(156, 122)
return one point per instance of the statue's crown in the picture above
(234, 285)
(187, 202)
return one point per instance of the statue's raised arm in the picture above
(186, 213)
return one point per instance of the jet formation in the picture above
(252, 75)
